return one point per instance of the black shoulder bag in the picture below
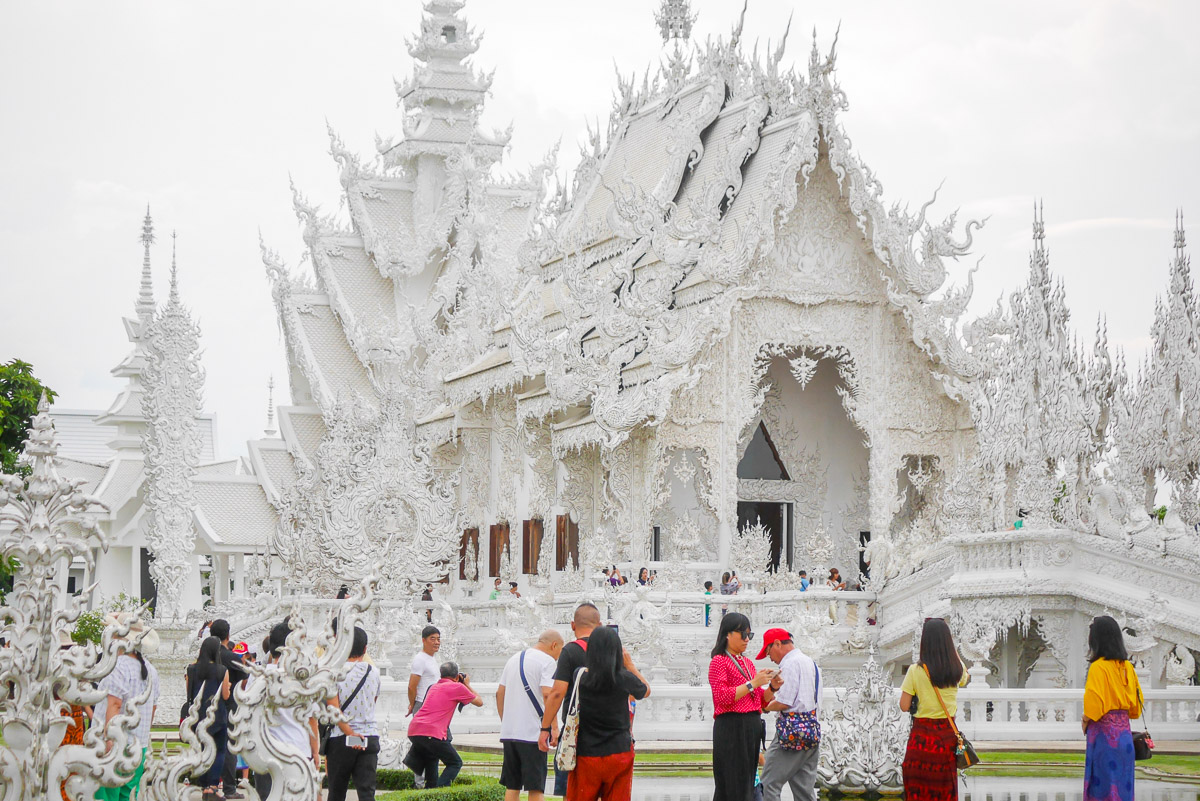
(1143, 743)
(327, 728)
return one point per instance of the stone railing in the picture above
(677, 712)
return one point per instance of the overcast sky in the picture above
(203, 110)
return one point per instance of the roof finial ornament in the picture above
(271, 430)
(674, 19)
(1039, 226)
(1180, 240)
(145, 301)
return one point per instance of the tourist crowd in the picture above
(579, 697)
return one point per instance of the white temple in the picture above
(715, 347)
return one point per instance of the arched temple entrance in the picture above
(802, 468)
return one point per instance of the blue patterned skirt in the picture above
(1108, 774)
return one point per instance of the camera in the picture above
(461, 678)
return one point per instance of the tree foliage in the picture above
(20, 392)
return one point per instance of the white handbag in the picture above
(564, 757)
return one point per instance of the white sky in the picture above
(203, 110)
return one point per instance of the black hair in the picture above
(219, 629)
(734, 621)
(804, 572)
(209, 659)
(142, 661)
(267, 650)
(708, 585)
(448, 670)
(343, 592)
(605, 658)
(938, 654)
(512, 584)
(1106, 641)
(278, 637)
(360, 643)
(643, 570)
(429, 631)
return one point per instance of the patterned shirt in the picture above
(361, 711)
(725, 674)
(125, 682)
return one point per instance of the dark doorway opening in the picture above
(149, 589)
(771, 517)
(864, 570)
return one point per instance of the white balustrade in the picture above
(682, 713)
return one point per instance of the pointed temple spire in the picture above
(271, 430)
(173, 297)
(145, 301)
(444, 97)
(1180, 239)
(674, 19)
(1039, 227)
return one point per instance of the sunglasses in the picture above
(747, 635)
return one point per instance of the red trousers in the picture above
(609, 778)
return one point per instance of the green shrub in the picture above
(466, 787)
(89, 627)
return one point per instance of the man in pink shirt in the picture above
(427, 731)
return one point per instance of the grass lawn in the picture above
(1030, 763)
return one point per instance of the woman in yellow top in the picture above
(930, 767)
(1111, 697)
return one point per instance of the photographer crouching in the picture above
(427, 732)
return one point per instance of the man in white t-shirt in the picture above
(521, 700)
(424, 672)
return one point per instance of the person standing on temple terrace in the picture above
(835, 580)
(793, 755)
(930, 767)
(738, 702)
(572, 657)
(521, 696)
(424, 671)
(728, 587)
(127, 687)
(643, 577)
(237, 675)
(497, 586)
(804, 582)
(353, 746)
(707, 606)
(209, 678)
(1111, 697)
(431, 725)
(604, 751)
(427, 597)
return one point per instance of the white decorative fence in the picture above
(682, 713)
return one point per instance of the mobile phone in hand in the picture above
(356, 742)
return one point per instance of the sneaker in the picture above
(419, 781)
(234, 794)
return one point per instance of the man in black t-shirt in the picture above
(573, 657)
(237, 674)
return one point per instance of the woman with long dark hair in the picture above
(738, 701)
(209, 678)
(930, 767)
(604, 751)
(1111, 697)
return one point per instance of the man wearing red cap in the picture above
(794, 753)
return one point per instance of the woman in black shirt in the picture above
(604, 756)
(209, 678)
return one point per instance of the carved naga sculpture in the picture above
(45, 520)
(301, 682)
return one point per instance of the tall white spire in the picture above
(145, 301)
(271, 430)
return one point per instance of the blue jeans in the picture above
(560, 781)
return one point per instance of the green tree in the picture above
(20, 392)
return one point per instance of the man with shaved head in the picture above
(521, 695)
(573, 657)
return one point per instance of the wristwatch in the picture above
(750, 686)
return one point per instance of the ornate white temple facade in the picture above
(714, 347)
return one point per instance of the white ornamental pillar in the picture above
(171, 447)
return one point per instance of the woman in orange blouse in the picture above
(1111, 697)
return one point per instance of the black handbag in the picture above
(1143, 743)
(326, 729)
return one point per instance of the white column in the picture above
(135, 571)
(239, 575)
(220, 577)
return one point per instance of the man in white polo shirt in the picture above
(424, 672)
(794, 753)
